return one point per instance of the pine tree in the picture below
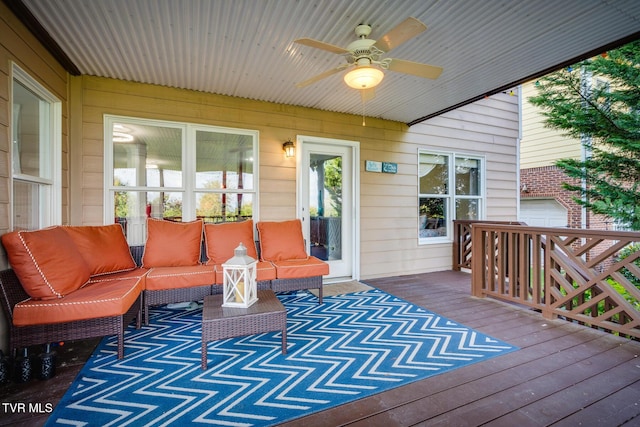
(598, 102)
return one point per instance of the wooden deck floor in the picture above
(563, 374)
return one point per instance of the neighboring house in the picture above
(543, 201)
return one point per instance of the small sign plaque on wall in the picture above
(389, 167)
(372, 166)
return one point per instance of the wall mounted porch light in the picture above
(289, 148)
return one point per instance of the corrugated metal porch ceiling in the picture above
(245, 48)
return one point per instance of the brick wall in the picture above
(546, 182)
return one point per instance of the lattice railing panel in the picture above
(575, 274)
(588, 284)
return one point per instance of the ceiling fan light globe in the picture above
(363, 77)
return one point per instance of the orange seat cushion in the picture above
(47, 262)
(222, 239)
(104, 248)
(95, 300)
(281, 240)
(137, 273)
(299, 268)
(172, 244)
(264, 271)
(161, 278)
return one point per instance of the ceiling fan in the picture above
(364, 55)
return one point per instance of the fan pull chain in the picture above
(363, 119)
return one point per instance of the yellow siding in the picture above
(541, 146)
(388, 204)
(19, 46)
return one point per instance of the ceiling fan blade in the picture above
(415, 68)
(367, 94)
(404, 31)
(322, 45)
(321, 76)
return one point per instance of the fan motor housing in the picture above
(363, 30)
(360, 47)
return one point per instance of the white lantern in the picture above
(239, 286)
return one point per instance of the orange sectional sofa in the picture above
(75, 282)
(282, 245)
(69, 283)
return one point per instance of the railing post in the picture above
(546, 309)
(455, 255)
(478, 255)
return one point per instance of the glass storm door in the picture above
(326, 205)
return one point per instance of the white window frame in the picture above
(50, 187)
(188, 188)
(450, 199)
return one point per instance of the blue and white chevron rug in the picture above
(350, 347)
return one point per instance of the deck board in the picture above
(558, 373)
(563, 374)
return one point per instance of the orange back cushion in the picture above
(222, 239)
(104, 248)
(281, 240)
(47, 262)
(172, 244)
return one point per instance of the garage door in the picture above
(543, 213)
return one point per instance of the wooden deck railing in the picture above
(575, 274)
(462, 241)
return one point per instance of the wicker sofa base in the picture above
(25, 336)
(171, 296)
(288, 285)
